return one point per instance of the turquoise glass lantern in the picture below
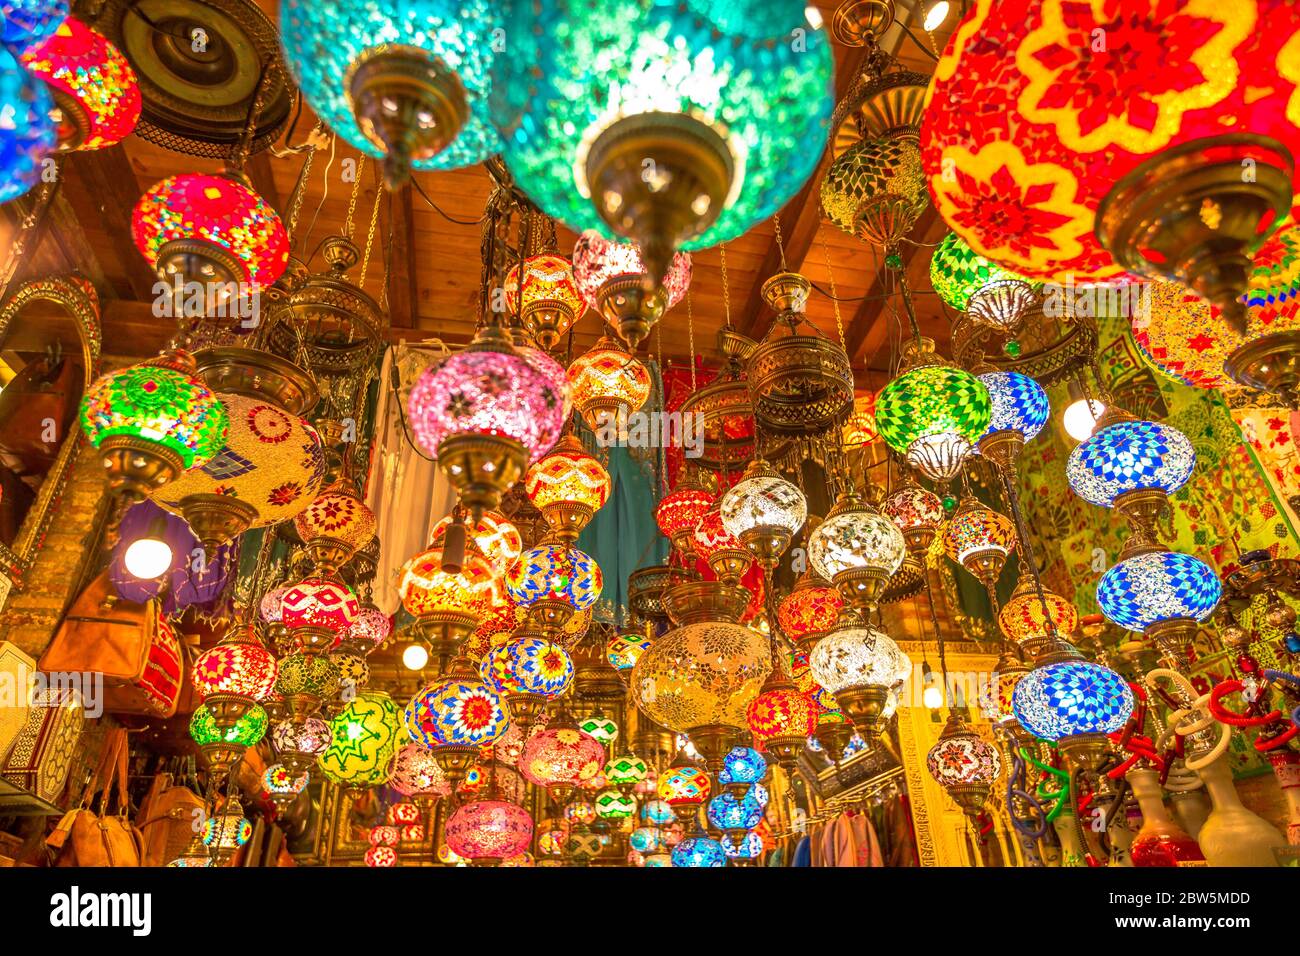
(729, 812)
(28, 134)
(677, 126)
(409, 82)
(750, 847)
(25, 23)
(742, 765)
(699, 851)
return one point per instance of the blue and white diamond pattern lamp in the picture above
(1069, 698)
(1019, 404)
(699, 851)
(1130, 456)
(1163, 594)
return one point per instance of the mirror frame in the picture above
(75, 295)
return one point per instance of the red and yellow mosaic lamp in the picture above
(607, 384)
(551, 301)
(96, 94)
(1093, 164)
(447, 606)
(568, 487)
(334, 527)
(233, 676)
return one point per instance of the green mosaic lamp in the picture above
(991, 295)
(223, 747)
(677, 126)
(933, 412)
(364, 737)
(151, 422)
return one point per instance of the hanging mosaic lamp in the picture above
(416, 773)
(612, 279)
(933, 413)
(964, 764)
(810, 609)
(781, 718)
(997, 701)
(568, 487)
(447, 607)
(455, 716)
(1024, 621)
(607, 384)
(364, 737)
(370, 629)
(410, 83)
(96, 96)
(496, 536)
(282, 785)
(979, 539)
(152, 421)
(29, 135)
(1019, 411)
(26, 23)
(856, 549)
(318, 611)
(700, 852)
(1070, 699)
(763, 511)
(859, 664)
(233, 675)
(561, 758)
(625, 771)
(994, 297)
(270, 468)
(223, 747)
(1131, 466)
(684, 788)
(299, 743)
(624, 650)
(735, 815)
(679, 511)
(674, 689)
(875, 189)
(215, 231)
(724, 553)
(1163, 594)
(1088, 176)
(334, 527)
(1186, 339)
(691, 126)
(528, 672)
(487, 832)
(917, 513)
(486, 413)
(551, 301)
(553, 581)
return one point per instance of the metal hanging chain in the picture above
(1027, 554)
(370, 233)
(726, 287)
(661, 460)
(300, 192)
(780, 244)
(690, 334)
(245, 145)
(835, 302)
(349, 227)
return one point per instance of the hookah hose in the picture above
(1254, 715)
(1131, 738)
(1042, 794)
(1018, 793)
(1293, 690)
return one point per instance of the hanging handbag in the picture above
(88, 838)
(139, 656)
(168, 820)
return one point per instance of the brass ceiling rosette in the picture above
(199, 64)
(801, 383)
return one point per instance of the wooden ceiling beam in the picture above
(110, 185)
(261, 175)
(403, 282)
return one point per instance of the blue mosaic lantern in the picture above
(25, 23)
(29, 135)
(1068, 698)
(657, 813)
(1019, 404)
(728, 812)
(699, 851)
(459, 710)
(670, 124)
(1159, 586)
(742, 765)
(408, 82)
(749, 848)
(1130, 456)
(554, 572)
(645, 839)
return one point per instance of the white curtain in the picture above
(406, 491)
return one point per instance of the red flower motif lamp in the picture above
(613, 280)
(334, 527)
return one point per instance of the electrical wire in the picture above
(436, 208)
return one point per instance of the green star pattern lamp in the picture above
(677, 126)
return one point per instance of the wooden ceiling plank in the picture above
(403, 281)
(110, 183)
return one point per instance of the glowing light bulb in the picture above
(1080, 420)
(935, 16)
(148, 557)
(415, 657)
(932, 697)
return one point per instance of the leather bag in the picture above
(85, 837)
(168, 820)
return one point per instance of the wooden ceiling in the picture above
(433, 278)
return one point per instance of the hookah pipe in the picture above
(1277, 733)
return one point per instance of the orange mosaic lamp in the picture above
(568, 487)
(551, 301)
(607, 384)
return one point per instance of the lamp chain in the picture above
(348, 226)
(726, 287)
(835, 302)
(780, 244)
